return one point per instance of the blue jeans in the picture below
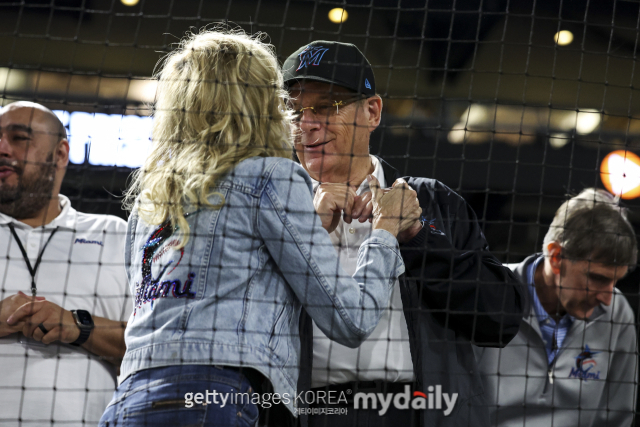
(169, 397)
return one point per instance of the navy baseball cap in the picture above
(341, 64)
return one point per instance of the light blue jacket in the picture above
(233, 294)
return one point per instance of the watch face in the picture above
(84, 317)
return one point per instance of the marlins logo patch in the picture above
(431, 224)
(585, 365)
(311, 56)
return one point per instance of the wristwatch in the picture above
(85, 324)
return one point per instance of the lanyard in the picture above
(32, 270)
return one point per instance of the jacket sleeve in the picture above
(465, 287)
(346, 309)
(618, 402)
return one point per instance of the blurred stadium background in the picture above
(513, 104)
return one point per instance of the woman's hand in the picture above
(395, 210)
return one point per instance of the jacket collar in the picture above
(390, 173)
(66, 219)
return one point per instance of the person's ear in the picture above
(373, 107)
(61, 154)
(554, 255)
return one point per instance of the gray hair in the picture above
(593, 227)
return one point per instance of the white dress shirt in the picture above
(385, 355)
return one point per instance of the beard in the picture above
(32, 193)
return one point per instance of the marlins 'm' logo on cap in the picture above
(311, 55)
(334, 63)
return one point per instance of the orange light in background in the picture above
(620, 174)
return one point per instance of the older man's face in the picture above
(330, 137)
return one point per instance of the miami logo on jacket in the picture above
(152, 288)
(585, 365)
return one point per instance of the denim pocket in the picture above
(182, 396)
(170, 412)
(248, 414)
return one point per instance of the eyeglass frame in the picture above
(342, 103)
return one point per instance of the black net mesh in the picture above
(515, 106)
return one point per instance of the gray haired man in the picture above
(454, 291)
(574, 360)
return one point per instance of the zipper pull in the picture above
(550, 373)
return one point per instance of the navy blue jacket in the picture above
(454, 293)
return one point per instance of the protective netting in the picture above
(514, 105)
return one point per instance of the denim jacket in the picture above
(233, 295)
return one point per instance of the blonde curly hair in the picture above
(220, 100)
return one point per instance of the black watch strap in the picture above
(84, 321)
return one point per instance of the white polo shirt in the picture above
(82, 268)
(385, 355)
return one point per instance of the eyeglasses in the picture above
(324, 110)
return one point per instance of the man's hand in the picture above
(8, 306)
(331, 199)
(329, 202)
(106, 339)
(59, 323)
(363, 207)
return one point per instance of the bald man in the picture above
(62, 279)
